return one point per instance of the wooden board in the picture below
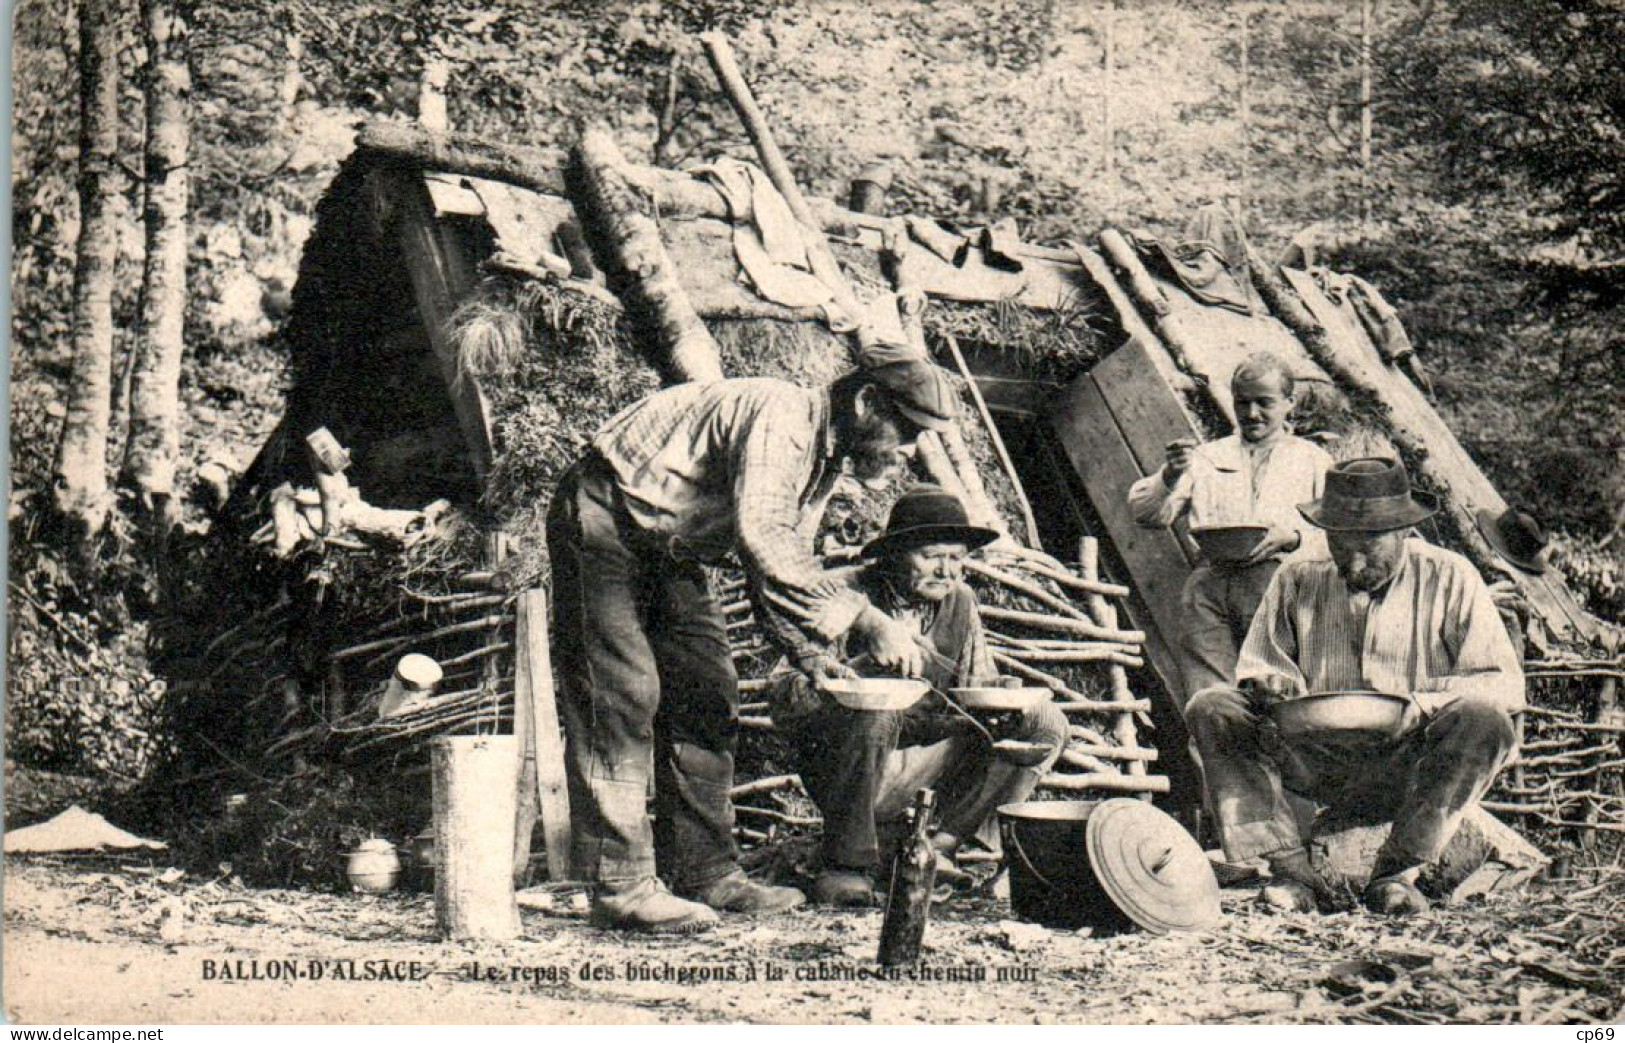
(1148, 412)
(1093, 442)
(441, 276)
(544, 745)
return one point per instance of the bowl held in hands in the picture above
(1000, 699)
(1228, 544)
(1374, 713)
(875, 693)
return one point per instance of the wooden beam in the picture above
(533, 689)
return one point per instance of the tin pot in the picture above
(373, 866)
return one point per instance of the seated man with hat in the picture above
(1387, 613)
(861, 766)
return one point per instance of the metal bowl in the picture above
(1376, 713)
(1000, 699)
(876, 693)
(1228, 544)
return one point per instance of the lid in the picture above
(418, 672)
(1152, 869)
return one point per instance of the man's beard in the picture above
(872, 467)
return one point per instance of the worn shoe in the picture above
(844, 889)
(1294, 885)
(948, 871)
(647, 906)
(1288, 896)
(1395, 896)
(738, 893)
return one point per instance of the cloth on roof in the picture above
(75, 830)
(1201, 269)
(1378, 318)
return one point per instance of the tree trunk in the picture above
(1366, 15)
(432, 92)
(154, 444)
(80, 482)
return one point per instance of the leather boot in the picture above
(845, 889)
(1294, 885)
(738, 893)
(647, 906)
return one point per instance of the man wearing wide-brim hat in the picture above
(861, 767)
(1387, 613)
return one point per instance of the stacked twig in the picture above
(1569, 780)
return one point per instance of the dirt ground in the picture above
(92, 941)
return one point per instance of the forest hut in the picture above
(467, 314)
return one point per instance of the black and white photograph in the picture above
(816, 512)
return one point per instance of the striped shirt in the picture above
(1231, 483)
(737, 465)
(1432, 632)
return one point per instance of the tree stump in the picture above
(1485, 855)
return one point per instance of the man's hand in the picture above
(890, 644)
(1179, 459)
(1276, 541)
(822, 668)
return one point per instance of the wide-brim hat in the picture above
(921, 392)
(1516, 535)
(1372, 494)
(928, 514)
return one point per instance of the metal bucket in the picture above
(1051, 879)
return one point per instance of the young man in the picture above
(861, 766)
(1253, 477)
(1389, 614)
(682, 478)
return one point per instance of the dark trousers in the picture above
(862, 768)
(648, 690)
(1423, 781)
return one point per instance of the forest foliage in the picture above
(1490, 213)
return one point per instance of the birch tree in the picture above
(80, 478)
(154, 443)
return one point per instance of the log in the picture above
(768, 784)
(1113, 753)
(1082, 584)
(1079, 655)
(934, 458)
(1106, 615)
(1039, 621)
(1108, 783)
(475, 790)
(1050, 681)
(1024, 588)
(1344, 850)
(997, 439)
(533, 689)
(690, 351)
(673, 194)
(1145, 292)
(1096, 706)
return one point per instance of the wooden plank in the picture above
(1090, 438)
(533, 689)
(442, 275)
(1149, 414)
